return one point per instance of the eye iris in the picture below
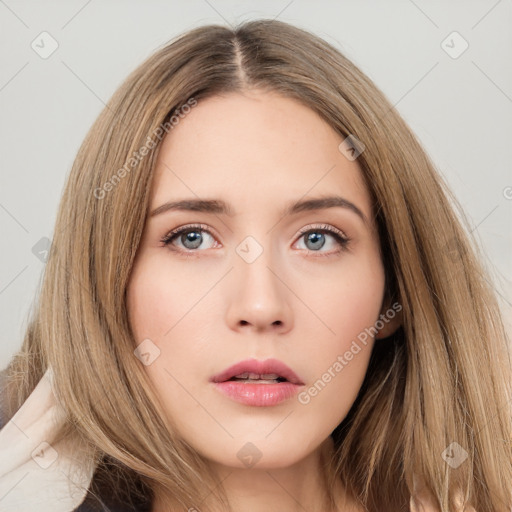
(192, 236)
(314, 237)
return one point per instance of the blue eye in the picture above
(317, 237)
(192, 236)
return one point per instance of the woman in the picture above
(259, 297)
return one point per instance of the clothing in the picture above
(38, 471)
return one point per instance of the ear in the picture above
(390, 318)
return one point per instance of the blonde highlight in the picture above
(420, 392)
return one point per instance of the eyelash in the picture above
(340, 238)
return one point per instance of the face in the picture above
(256, 281)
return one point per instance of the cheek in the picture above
(349, 307)
(163, 307)
(346, 302)
(158, 313)
(156, 300)
(339, 362)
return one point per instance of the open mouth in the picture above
(255, 378)
(252, 371)
(257, 389)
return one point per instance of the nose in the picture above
(259, 299)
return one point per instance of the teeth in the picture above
(255, 382)
(269, 376)
(256, 376)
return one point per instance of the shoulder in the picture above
(97, 498)
(93, 503)
(103, 495)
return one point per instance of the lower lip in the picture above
(258, 395)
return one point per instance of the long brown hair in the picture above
(442, 378)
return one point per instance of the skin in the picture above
(257, 151)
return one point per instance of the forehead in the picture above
(256, 148)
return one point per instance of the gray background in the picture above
(460, 108)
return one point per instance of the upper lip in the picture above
(261, 368)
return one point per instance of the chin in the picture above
(260, 454)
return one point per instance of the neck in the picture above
(296, 488)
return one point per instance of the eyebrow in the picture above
(217, 206)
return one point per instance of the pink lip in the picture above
(259, 395)
(260, 367)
